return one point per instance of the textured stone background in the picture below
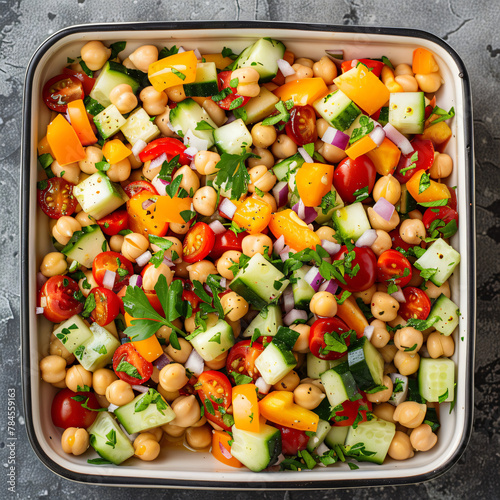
(471, 27)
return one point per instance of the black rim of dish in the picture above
(295, 483)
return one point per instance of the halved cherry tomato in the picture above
(392, 265)
(417, 304)
(376, 66)
(87, 81)
(224, 78)
(60, 90)
(58, 295)
(452, 200)
(351, 410)
(111, 261)
(424, 159)
(192, 298)
(319, 328)
(445, 214)
(134, 187)
(114, 222)
(214, 390)
(241, 359)
(292, 440)
(301, 127)
(198, 243)
(357, 280)
(353, 175)
(66, 411)
(168, 145)
(55, 197)
(130, 366)
(107, 306)
(226, 241)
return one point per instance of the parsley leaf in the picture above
(282, 116)
(222, 94)
(240, 113)
(366, 126)
(361, 194)
(116, 48)
(89, 306)
(425, 182)
(129, 369)
(412, 165)
(166, 52)
(233, 174)
(203, 125)
(168, 168)
(443, 115)
(240, 378)
(111, 438)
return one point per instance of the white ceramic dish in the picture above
(180, 467)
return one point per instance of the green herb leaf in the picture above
(129, 369)
(101, 349)
(387, 62)
(443, 397)
(46, 161)
(99, 461)
(361, 194)
(282, 116)
(102, 166)
(166, 52)
(233, 174)
(425, 182)
(89, 306)
(366, 126)
(236, 103)
(111, 438)
(116, 48)
(227, 52)
(398, 386)
(79, 352)
(240, 378)
(168, 168)
(203, 125)
(179, 74)
(222, 94)
(443, 115)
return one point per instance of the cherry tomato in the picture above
(417, 304)
(134, 187)
(225, 242)
(392, 263)
(397, 241)
(351, 410)
(292, 440)
(107, 306)
(68, 412)
(110, 261)
(301, 127)
(58, 295)
(214, 387)
(60, 90)
(362, 273)
(353, 175)
(317, 342)
(445, 214)
(154, 301)
(114, 223)
(224, 78)
(376, 66)
(423, 161)
(452, 200)
(87, 81)
(241, 359)
(192, 298)
(168, 145)
(130, 366)
(55, 197)
(198, 243)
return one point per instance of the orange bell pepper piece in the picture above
(150, 349)
(360, 147)
(145, 221)
(278, 407)
(351, 314)
(220, 61)
(221, 439)
(436, 190)
(43, 147)
(63, 141)
(313, 181)
(302, 92)
(170, 209)
(246, 407)
(297, 235)
(424, 62)
(253, 215)
(81, 123)
(385, 158)
(115, 151)
(364, 88)
(173, 70)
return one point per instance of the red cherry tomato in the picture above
(362, 278)
(107, 306)
(319, 328)
(397, 241)
(350, 411)
(392, 263)
(353, 175)
(292, 440)
(134, 187)
(198, 243)
(417, 304)
(110, 261)
(61, 200)
(424, 161)
(241, 359)
(130, 366)
(60, 90)
(192, 298)
(68, 412)
(58, 295)
(301, 127)
(87, 81)
(452, 200)
(213, 386)
(376, 66)
(225, 242)
(114, 223)
(445, 214)
(226, 103)
(168, 145)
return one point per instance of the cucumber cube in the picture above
(407, 112)
(73, 333)
(214, 341)
(441, 257)
(85, 245)
(97, 352)
(139, 127)
(436, 379)
(351, 221)
(448, 311)
(233, 138)
(109, 121)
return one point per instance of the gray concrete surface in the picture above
(471, 27)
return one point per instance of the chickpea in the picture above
(75, 441)
(69, 172)
(57, 348)
(403, 69)
(440, 345)
(102, 379)
(205, 200)
(301, 73)
(235, 306)
(180, 269)
(119, 393)
(387, 187)
(422, 438)
(289, 382)
(199, 271)
(429, 83)
(304, 61)
(261, 178)
(168, 396)
(199, 437)
(400, 448)
(408, 82)
(331, 153)
(53, 369)
(366, 295)
(433, 292)
(173, 430)
(326, 233)
(248, 81)
(53, 263)
(147, 450)
(407, 338)
(385, 411)
(388, 352)
(217, 363)
(84, 219)
(175, 248)
(323, 304)
(162, 121)
(227, 260)
(380, 336)
(123, 97)
(143, 56)
(173, 377)
(206, 162)
(308, 396)
(415, 215)
(93, 155)
(152, 274)
(265, 157)
(190, 181)
(382, 396)
(116, 243)
(283, 147)
(302, 343)
(119, 172)
(95, 54)
(268, 198)
(156, 432)
(187, 411)
(235, 326)
(389, 368)
(153, 102)
(325, 68)
(378, 222)
(135, 163)
(134, 245)
(77, 376)
(263, 136)
(407, 363)
(64, 229)
(384, 307)
(176, 93)
(215, 112)
(144, 436)
(388, 80)
(410, 414)
(179, 228)
(442, 166)
(257, 243)
(412, 231)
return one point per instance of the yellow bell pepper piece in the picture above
(313, 181)
(253, 215)
(295, 231)
(423, 62)
(438, 133)
(302, 92)
(436, 190)
(220, 61)
(360, 147)
(385, 158)
(173, 70)
(150, 349)
(63, 141)
(115, 151)
(246, 411)
(43, 147)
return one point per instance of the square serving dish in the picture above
(180, 467)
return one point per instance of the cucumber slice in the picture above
(275, 362)
(407, 112)
(448, 311)
(85, 245)
(329, 203)
(261, 106)
(436, 379)
(97, 351)
(337, 109)
(205, 83)
(267, 322)
(73, 332)
(321, 432)
(441, 257)
(336, 435)
(214, 341)
(233, 138)
(109, 121)
(283, 169)
(339, 384)
(316, 366)
(366, 364)
(139, 127)
(302, 291)
(407, 202)
(351, 221)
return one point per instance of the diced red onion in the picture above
(190, 151)
(217, 227)
(135, 280)
(285, 68)
(192, 165)
(280, 459)
(294, 315)
(161, 362)
(160, 185)
(367, 239)
(181, 50)
(279, 244)
(314, 278)
(288, 300)
(197, 53)
(158, 161)
(331, 247)
(39, 310)
(191, 139)
(138, 147)
(368, 331)
(147, 203)
(335, 138)
(328, 286)
(43, 301)
(307, 214)
(225, 452)
(228, 208)
(337, 56)
(195, 363)
(144, 258)
(112, 407)
(140, 388)
(168, 262)
(108, 280)
(172, 128)
(384, 208)
(399, 295)
(40, 280)
(284, 254)
(399, 397)
(322, 449)
(223, 282)
(132, 437)
(394, 135)
(280, 193)
(305, 155)
(262, 385)
(230, 118)
(377, 135)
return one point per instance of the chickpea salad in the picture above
(251, 255)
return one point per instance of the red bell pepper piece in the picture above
(375, 65)
(171, 147)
